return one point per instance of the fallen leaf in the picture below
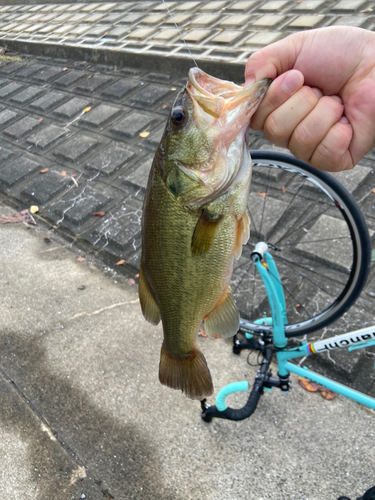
(120, 262)
(41, 72)
(65, 69)
(63, 172)
(144, 134)
(86, 110)
(173, 88)
(99, 214)
(366, 10)
(137, 275)
(40, 120)
(283, 189)
(263, 194)
(74, 175)
(131, 281)
(80, 259)
(24, 215)
(297, 306)
(47, 240)
(44, 170)
(90, 77)
(9, 219)
(327, 394)
(373, 190)
(308, 385)
(34, 209)
(165, 105)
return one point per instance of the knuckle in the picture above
(331, 105)
(302, 135)
(274, 132)
(331, 154)
(309, 96)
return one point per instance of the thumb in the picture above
(273, 60)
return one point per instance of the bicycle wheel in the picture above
(324, 249)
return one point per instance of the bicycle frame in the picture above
(353, 340)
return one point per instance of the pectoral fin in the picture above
(149, 307)
(224, 320)
(204, 232)
(243, 233)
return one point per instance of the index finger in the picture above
(273, 60)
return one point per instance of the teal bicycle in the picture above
(304, 220)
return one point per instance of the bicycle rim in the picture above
(324, 246)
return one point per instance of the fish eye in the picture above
(179, 116)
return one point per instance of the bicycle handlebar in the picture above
(261, 380)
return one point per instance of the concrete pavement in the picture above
(84, 416)
(82, 412)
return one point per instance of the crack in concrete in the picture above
(98, 311)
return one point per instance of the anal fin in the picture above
(149, 307)
(224, 319)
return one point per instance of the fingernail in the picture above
(292, 82)
(317, 91)
(343, 119)
(249, 82)
(338, 98)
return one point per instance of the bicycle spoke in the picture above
(287, 208)
(319, 241)
(302, 225)
(304, 308)
(293, 267)
(264, 202)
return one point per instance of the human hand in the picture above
(321, 104)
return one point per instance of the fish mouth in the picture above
(225, 109)
(225, 99)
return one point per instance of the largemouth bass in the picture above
(195, 222)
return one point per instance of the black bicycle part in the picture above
(369, 495)
(263, 380)
(305, 200)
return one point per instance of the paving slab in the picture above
(84, 416)
(142, 29)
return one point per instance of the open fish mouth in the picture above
(221, 97)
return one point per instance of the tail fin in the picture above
(190, 374)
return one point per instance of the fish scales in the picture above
(194, 224)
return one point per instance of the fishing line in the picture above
(183, 39)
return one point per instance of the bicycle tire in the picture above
(311, 203)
